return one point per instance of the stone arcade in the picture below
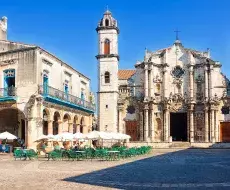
(174, 94)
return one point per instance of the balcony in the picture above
(8, 94)
(59, 97)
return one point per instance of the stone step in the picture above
(180, 144)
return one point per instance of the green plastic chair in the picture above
(18, 153)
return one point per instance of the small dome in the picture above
(177, 42)
(107, 12)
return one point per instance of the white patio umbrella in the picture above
(41, 138)
(78, 135)
(7, 135)
(66, 136)
(45, 137)
(95, 135)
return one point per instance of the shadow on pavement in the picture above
(189, 168)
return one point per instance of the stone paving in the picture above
(162, 169)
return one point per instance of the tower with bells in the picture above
(108, 59)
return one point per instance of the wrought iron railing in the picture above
(52, 92)
(8, 92)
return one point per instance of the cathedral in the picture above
(173, 94)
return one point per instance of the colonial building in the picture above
(40, 93)
(173, 94)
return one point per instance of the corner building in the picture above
(40, 93)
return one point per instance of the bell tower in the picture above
(108, 58)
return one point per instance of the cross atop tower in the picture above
(177, 32)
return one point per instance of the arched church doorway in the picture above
(12, 120)
(178, 126)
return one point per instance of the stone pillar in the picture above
(50, 127)
(30, 128)
(165, 82)
(151, 82)
(166, 125)
(191, 119)
(206, 124)
(78, 127)
(206, 82)
(191, 80)
(60, 127)
(216, 126)
(146, 123)
(141, 126)
(210, 82)
(212, 132)
(152, 129)
(120, 124)
(70, 127)
(146, 81)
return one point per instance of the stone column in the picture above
(210, 82)
(50, 127)
(216, 126)
(146, 123)
(206, 124)
(151, 82)
(120, 124)
(78, 127)
(30, 128)
(141, 126)
(212, 132)
(70, 127)
(59, 127)
(151, 124)
(191, 80)
(146, 81)
(166, 125)
(164, 81)
(191, 119)
(206, 82)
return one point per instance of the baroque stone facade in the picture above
(173, 94)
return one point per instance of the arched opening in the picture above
(45, 121)
(56, 119)
(9, 82)
(107, 77)
(82, 123)
(107, 47)
(66, 121)
(13, 121)
(75, 119)
(106, 22)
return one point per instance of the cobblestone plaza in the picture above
(162, 169)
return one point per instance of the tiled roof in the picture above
(125, 74)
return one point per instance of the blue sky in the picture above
(67, 28)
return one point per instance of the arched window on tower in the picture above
(106, 22)
(107, 77)
(107, 47)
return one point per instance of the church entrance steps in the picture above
(180, 145)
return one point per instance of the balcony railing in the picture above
(8, 93)
(67, 98)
